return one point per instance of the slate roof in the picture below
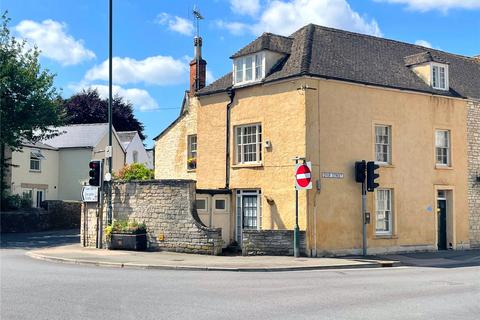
(423, 57)
(267, 41)
(38, 145)
(337, 54)
(78, 136)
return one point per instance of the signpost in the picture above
(90, 194)
(303, 181)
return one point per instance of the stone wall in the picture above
(55, 215)
(270, 242)
(473, 133)
(167, 209)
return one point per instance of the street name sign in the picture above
(332, 175)
(90, 194)
(303, 176)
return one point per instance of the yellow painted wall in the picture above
(341, 118)
(280, 110)
(171, 147)
(424, 71)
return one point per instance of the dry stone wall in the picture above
(473, 134)
(167, 208)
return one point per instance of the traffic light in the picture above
(95, 173)
(372, 176)
(360, 167)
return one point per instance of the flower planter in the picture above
(128, 241)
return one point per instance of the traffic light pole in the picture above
(364, 224)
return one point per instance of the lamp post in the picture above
(109, 213)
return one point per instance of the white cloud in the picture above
(158, 70)
(423, 43)
(247, 7)
(285, 17)
(175, 23)
(441, 5)
(139, 98)
(51, 38)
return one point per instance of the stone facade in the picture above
(270, 242)
(166, 207)
(473, 131)
(55, 215)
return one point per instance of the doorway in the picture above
(442, 219)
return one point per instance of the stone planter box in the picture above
(124, 241)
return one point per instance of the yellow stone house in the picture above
(334, 97)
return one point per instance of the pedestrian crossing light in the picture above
(95, 173)
(372, 176)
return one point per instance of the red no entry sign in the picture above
(303, 176)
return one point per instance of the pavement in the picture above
(63, 246)
(76, 254)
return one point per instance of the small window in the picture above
(35, 158)
(192, 152)
(440, 77)
(442, 147)
(220, 204)
(249, 68)
(135, 156)
(201, 204)
(383, 145)
(248, 143)
(384, 215)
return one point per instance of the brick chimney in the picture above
(198, 68)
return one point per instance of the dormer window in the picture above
(439, 76)
(249, 68)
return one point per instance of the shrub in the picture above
(15, 202)
(135, 171)
(125, 226)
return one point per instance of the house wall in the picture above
(340, 131)
(73, 172)
(46, 179)
(136, 145)
(279, 108)
(171, 147)
(118, 153)
(473, 127)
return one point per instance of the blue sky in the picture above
(153, 39)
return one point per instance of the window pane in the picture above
(258, 66)
(383, 211)
(201, 204)
(220, 204)
(239, 71)
(248, 68)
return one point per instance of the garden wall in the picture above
(270, 242)
(167, 207)
(55, 215)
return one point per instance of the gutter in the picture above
(231, 95)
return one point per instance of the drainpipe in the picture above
(231, 95)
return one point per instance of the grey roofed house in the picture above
(79, 136)
(337, 54)
(126, 137)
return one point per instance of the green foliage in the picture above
(125, 226)
(15, 202)
(30, 104)
(135, 171)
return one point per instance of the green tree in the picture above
(29, 102)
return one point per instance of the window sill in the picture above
(384, 236)
(385, 165)
(440, 167)
(191, 170)
(36, 171)
(248, 165)
(246, 83)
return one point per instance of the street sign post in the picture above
(90, 194)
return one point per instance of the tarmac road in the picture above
(34, 289)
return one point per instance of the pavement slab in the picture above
(77, 254)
